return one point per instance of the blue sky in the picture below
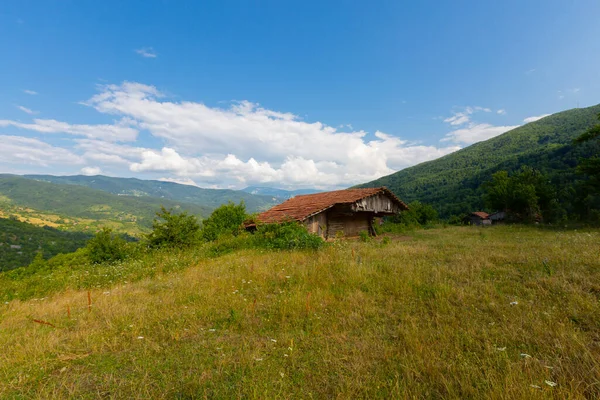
(286, 94)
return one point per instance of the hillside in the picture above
(78, 208)
(451, 183)
(208, 198)
(20, 242)
(434, 315)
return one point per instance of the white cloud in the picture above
(91, 171)
(463, 117)
(472, 131)
(147, 52)
(26, 110)
(185, 181)
(476, 132)
(531, 71)
(533, 119)
(30, 151)
(121, 131)
(247, 143)
(31, 92)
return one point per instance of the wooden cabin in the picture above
(478, 218)
(337, 213)
(498, 217)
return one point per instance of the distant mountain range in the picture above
(279, 194)
(451, 183)
(207, 198)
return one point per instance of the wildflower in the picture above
(514, 303)
(535, 386)
(282, 374)
(140, 337)
(285, 355)
(212, 330)
(550, 383)
(287, 277)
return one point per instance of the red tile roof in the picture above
(301, 207)
(481, 214)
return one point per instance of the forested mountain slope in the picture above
(20, 242)
(209, 198)
(451, 183)
(75, 207)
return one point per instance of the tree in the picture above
(106, 246)
(417, 214)
(173, 230)
(227, 219)
(525, 195)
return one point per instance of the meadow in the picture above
(506, 312)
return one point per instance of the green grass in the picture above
(424, 316)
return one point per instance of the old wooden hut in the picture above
(478, 218)
(341, 212)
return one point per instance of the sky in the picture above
(288, 94)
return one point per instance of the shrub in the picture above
(286, 236)
(364, 236)
(173, 230)
(225, 220)
(106, 246)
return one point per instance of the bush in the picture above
(173, 230)
(225, 220)
(364, 236)
(286, 236)
(106, 246)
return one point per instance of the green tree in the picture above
(417, 214)
(227, 219)
(497, 191)
(525, 195)
(173, 230)
(106, 246)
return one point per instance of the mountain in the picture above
(208, 198)
(20, 242)
(79, 208)
(279, 194)
(451, 183)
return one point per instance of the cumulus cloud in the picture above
(147, 52)
(30, 151)
(464, 116)
(472, 131)
(246, 142)
(31, 92)
(476, 133)
(121, 131)
(26, 110)
(501, 112)
(91, 171)
(533, 119)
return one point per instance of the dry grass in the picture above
(429, 317)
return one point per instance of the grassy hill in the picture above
(78, 208)
(451, 183)
(20, 242)
(208, 198)
(434, 315)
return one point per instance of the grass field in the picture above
(505, 312)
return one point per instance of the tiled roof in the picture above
(481, 214)
(301, 207)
